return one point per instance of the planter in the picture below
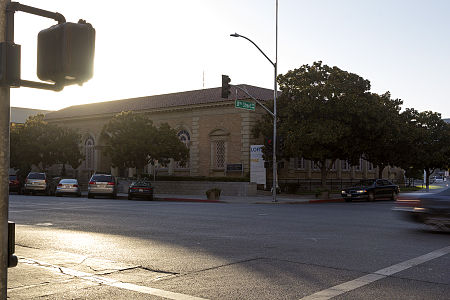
(213, 194)
(323, 195)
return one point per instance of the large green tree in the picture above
(38, 143)
(133, 141)
(382, 137)
(318, 113)
(428, 142)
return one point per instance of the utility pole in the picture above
(4, 166)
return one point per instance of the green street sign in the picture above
(244, 104)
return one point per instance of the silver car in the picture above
(68, 187)
(102, 185)
(36, 182)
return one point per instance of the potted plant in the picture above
(213, 194)
(323, 193)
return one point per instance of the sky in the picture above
(149, 47)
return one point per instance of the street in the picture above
(226, 251)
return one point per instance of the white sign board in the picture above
(257, 170)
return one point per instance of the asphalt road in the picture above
(246, 251)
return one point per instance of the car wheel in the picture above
(90, 196)
(348, 200)
(394, 196)
(370, 197)
(130, 197)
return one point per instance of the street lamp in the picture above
(274, 64)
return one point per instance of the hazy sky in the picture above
(147, 47)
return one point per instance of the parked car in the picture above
(371, 189)
(68, 187)
(140, 189)
(102, 185)
(432, 210)
(36, 182)
(15, 184)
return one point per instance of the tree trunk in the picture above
(323, 174)
(380, 171)
(427, 179)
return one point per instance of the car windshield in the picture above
(12, 177)
(36, 176)
(142, 183)
(366, 182)
(68, 181)
(102, 178)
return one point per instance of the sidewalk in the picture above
(258, 199)
(266, 198)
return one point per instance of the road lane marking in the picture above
(108, 281)
(375, 276)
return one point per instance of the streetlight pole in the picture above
(274, 64)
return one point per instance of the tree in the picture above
(37, 143)
(382, 132)
(69, 148)
(317, 112)
(133, 141)
(429, 141)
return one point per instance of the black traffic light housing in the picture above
(226, 86)
(65, 53)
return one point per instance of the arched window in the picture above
(89, 153)
(185, 138)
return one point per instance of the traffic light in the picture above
(280, 146)
(65, 53)
(226, 86)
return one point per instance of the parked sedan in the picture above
(140, 189)
(432, 210)
(68, 187)
(371, 189)
(15, 185)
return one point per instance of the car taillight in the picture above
(91, 182)
(59, 184)
(111, 183)
(75, 185)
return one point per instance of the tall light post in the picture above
(274, 64)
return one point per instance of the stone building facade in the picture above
(217, 134)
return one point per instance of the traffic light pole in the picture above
(4, 165)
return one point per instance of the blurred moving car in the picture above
(36, 182)
(15, 184)
(102, 185)
(68, 187)
(432, 210)
(371, 189)
(140, 189)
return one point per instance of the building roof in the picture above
(21, 114)
(197, 97)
